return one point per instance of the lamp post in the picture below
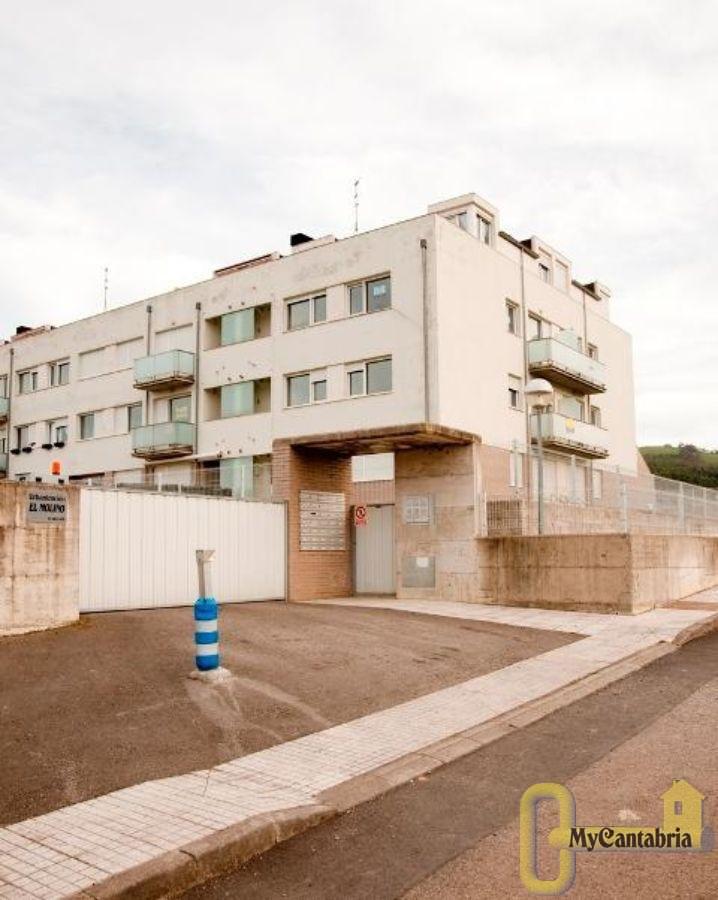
(539, 393)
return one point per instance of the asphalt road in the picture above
(453, 833)
(91, 708)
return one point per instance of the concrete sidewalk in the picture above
(174, 832)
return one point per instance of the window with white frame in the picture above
(319, 390)
(3, 385)
(560, 275)
(513, 318)
(536, 327)
(27, 382)
(371, 377)
(92, 362)
(515, 392)
(87, 426)
(373, 295)
(592, 351)
(57, 431)
(298, 387)
(60, 373)
(134, 416)
(484, 230)
(544, 273)
(595, 416)
(309, 311)
(22, 436)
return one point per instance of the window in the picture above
(514, 392)
(484, 230)
(596, 416)
(27, 382)
(378, 376)
(356, 299)
(462, 220)
(87, 426)
(561, 273)
(301, 313)
(92, 363)
(60, 373)
(59, 434)
(3, 385)
(180, 409)
(319, 390)
(134, 416)
(3, 445)
(370, 296)
(236, 327)
(592, 351)
(126, 352)
(373, 377)
(237, 399)
(512, 318)
(356, 383)
(297, 390)
(544, 273)
(22, 435)
(535, 327)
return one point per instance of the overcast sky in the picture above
(165, 139)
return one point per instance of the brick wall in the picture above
(313, 573)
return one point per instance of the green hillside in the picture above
(684, 463)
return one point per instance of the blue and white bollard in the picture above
(206, 632)
(206, 635)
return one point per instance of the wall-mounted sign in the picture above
(46, 507)
(360, 515)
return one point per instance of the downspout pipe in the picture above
(8, 426)
(148, 350)
(197, 342)
(425, 326)
(524, 337)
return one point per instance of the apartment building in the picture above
(439, 319)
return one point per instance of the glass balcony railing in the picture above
(164, 370)
(3, 463)
(163, 440)
(572, 435)
(565, 365)
(3, 408)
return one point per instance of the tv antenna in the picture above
(356, 204)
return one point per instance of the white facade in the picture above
(448, 281)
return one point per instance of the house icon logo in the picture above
(683, 809)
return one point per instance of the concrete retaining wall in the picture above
(602, 572)
(39, 561)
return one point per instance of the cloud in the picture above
(169, 138)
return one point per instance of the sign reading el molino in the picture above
(46, 507)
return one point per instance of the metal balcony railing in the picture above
(163, 440)
(566, 433)
(164, 370)
(566, 366)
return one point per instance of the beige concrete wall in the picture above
(39, 568)
(448, 477)
(601, 572)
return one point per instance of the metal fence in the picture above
(192, 481)
(604, 502)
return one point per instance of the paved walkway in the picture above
(71, 849)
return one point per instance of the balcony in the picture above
(3, 408)
(3, 463)
(165, 440)
(566, 366)
(164, 371)
(570, 435)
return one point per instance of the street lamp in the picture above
(539, 393)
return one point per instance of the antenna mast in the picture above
(106, 282)
(356, 205)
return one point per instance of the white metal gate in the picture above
(374, 562)
(137, 550)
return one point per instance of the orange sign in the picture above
(360, 515)
(56, 468)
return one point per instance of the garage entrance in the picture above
(374, 560)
